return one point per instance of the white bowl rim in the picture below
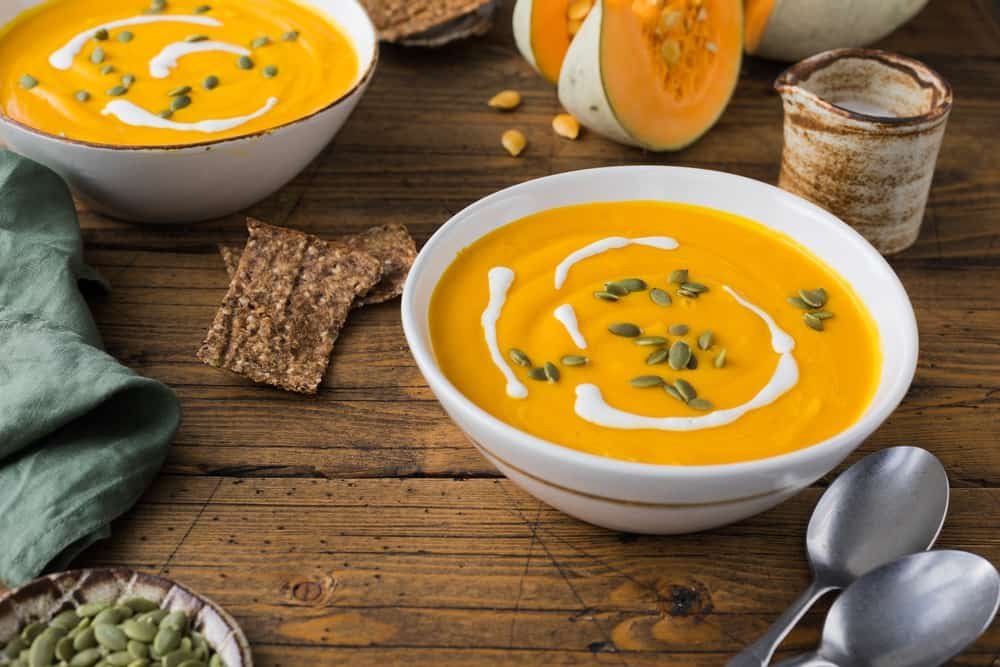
(875, 414)
(360, 84)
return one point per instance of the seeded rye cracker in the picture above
(390, 244)
(286, 304)
(429, 22)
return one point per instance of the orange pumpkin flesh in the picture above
(553, 24)
(757, 14)
(670, 67)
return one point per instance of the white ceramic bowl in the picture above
(647, 498)
(194, 182)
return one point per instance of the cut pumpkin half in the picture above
(654, 73)
(543, 30)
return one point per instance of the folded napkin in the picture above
(81, 436)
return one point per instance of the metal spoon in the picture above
(918, 611)
(889, 504)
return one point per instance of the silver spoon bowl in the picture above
(919, 611)
(887, 505)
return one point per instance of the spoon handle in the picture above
(760, 652)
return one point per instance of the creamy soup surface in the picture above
(701, 350)
(130, 73)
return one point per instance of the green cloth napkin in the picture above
(81, 436)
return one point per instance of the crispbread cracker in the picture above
(286, 304)
(398, 19)
(392, 245)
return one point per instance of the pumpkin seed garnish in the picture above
(646, 381)
(181, 90)
(720, 359)
(697, 288)
(128, 80)
(519, 357)
(650, 340)
(244, 62)
(81, 96)
(270, 71)
(28, 82)
(680, 355)
(258, 42)
(158, 5)
(606, 296)
(551, 372)
(125, 36)
(705, 340)
(117, 91)
(692, 362)
(685, 389)
(678, 276)
(660, 297)
(202, 9)
(816, 298)
(180, 102)
(678, 329)
(625, 329)
(616, 288)
(166, 113)
(573, 360)
(290, 36)
(798, 303)
(537, 373)
(101, 35)
(192, 39)
(211, 81)
(687, 293)
(813, 322)
(673, 392)
(107, 69)
(700, 404)
(97, 56)
(822, 314)
(657, 357)
(632, 284)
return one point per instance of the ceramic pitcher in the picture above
(862, 133)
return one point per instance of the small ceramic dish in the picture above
(193, 182)
(649, 498)
(43, 598)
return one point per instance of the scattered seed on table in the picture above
(514, 141)
(505, 100)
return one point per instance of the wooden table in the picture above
(358, 527)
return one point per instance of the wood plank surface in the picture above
(358, 527)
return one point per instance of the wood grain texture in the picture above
(358, 527)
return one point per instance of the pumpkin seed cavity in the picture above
(625, 329)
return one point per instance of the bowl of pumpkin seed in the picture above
(107, 617)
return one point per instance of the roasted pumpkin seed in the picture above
(697, 288)
(606, 296)
(107, 69)
(700, 404)
(66, 620)
(202, 9)
(616, 288)
(125, 36)
(692, 362)
(110, 637)
(128, 80)
(632, 284)
(97, 56)
(166, 640)
(551, 372)
(680, 354)
(660, 297)
(798, 303)
(519, 357)
(89, 609)
(101, 35)
(177, 620)
(108, 616)
(657, 357)
(822, 314)
(685, 389)
(290, 36)
(270, 71)
(813, 322)
(180, 102)
(82, 96)
(85, 658)
(257, 43)
(137, 648)
(84, 640)
(139, 630)
(816, 298)
(180, 90)
(505, 100)
(678, 276)
(673, 392)
(43, 648)
(244, 62)
(119, 659)
(625, 329)
(678, 329)
(651, 340)
(720, 359)
(687, 293)
(27, 81)
(211, 82)
(193, 39)
(646, 381)
(573, 360)
(166, 113)
(537, 373)
(705, 340)
(117, 91)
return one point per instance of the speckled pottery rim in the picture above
(926, 77)
(46, 596)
